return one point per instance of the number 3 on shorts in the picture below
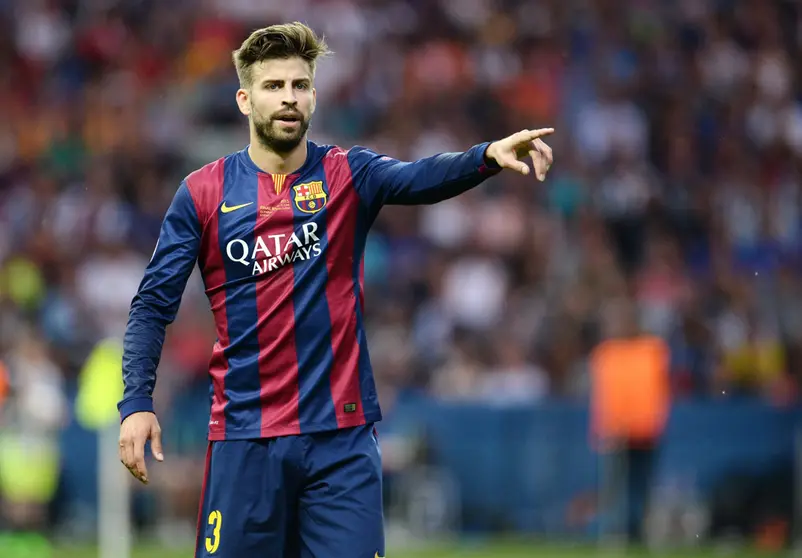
(216, 521)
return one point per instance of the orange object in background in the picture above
(5, 383)
(772, 535)
(630, 394)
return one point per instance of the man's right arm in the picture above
(157, 300)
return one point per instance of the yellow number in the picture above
(216, 521)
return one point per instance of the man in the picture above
(278, 230)
(630, 406)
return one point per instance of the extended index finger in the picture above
(529, 135)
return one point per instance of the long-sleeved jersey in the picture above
(281, 260)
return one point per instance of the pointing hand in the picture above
(508, 152)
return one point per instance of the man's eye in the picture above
(301, 85)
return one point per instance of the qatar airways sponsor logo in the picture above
(273, 251)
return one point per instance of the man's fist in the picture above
(135, 430)
(508, 152)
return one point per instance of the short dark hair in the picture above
(278, 41)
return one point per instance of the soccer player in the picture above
(278, 230)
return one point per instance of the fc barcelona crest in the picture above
(310, 197)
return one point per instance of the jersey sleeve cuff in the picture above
(485, 166)
(133, 405)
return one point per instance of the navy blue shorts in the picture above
(309, 496)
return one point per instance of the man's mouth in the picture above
(289, 117)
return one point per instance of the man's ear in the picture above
(244, 101)
(314, 100)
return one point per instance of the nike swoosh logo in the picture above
(228, 209)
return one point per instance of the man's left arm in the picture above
(381, 180)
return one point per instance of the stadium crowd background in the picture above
(676, 190)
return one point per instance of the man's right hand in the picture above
(135, 430)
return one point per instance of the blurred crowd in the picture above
(675, 189)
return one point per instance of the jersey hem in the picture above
(292, 430)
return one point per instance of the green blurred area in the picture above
(492, 550)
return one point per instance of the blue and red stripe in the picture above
(243, 389)
(342, 293)
(211, 262)
(278, 363)
(312, 325)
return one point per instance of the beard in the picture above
(276, 137)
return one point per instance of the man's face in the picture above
(279, 103)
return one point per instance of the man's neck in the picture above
(275, 163)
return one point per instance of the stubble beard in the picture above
(272, 138)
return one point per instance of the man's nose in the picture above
(289, 97)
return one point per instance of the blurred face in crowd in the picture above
(279, 102)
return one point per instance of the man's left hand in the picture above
(508, 152)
